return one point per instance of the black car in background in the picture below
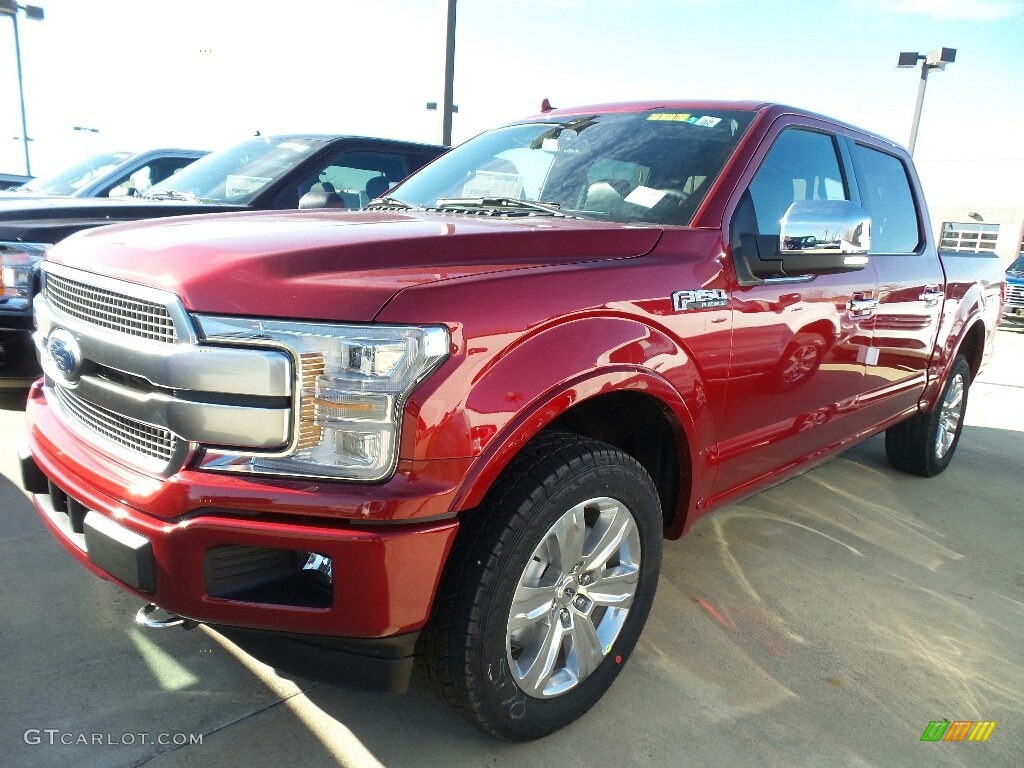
(276, 173)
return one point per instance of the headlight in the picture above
(351, 384)
(17, 265)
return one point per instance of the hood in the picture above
(51, 219)
(333, 265)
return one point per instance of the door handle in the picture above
(932, 295)
(858, 304)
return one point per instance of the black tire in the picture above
(924, 444)
(800, 361)
(504, 550)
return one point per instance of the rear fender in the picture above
(970, 328)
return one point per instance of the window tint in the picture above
(357, 177)
(143, 178)
(801, 165)
(885, 196)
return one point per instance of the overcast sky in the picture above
(208, 73)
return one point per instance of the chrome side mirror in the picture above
(817, 237)
(825, 226)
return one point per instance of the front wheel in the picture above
(924, 444)
(547, 588)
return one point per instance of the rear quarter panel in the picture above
(973, 301)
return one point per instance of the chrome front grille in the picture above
(1015, 296)
(109, 309)
(125, 433)
(130, 360)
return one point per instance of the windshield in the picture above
(1017, 268)
(77, 176)
(238, 174)
(654, 167)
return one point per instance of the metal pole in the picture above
(449, 78)
(920, 103)
(21, 91)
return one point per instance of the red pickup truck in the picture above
(458, 424)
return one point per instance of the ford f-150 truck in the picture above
(266, 172)
(458, 424)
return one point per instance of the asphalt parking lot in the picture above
(825, 622)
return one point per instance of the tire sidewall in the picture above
(522, 716)
(936, 464)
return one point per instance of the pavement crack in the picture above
(175, 747)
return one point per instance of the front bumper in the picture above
(227, 565)
(1012, 315)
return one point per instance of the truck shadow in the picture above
(850, 594)
(13, 400)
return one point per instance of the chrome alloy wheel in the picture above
(950, 416)
(573, 597)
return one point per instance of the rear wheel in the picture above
(924, 444)
(547, 588)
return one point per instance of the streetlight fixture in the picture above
(11, 8)
(85, 135)
(432, 107)
(935, 59)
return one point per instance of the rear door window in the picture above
(886, 196)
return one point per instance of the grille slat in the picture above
(108, 309)
(129, 434)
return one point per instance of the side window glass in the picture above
(347, 180)
(801, 165)
(141, 179)
(887, 199)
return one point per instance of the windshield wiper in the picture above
(171, 194)
(388, 202)
(499, 202)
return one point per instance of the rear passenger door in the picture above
(910, 280)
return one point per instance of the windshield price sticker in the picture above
(494, 184)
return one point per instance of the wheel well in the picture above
(823, 328)
(972, 347)
(644, 428)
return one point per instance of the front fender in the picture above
(522, 389)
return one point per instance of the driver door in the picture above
(798, 348)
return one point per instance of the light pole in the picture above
(11, 8)
(935, 59)
(85, 135)
(449, 77)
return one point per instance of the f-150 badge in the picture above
(703, 298)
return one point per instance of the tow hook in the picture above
(144, 619)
